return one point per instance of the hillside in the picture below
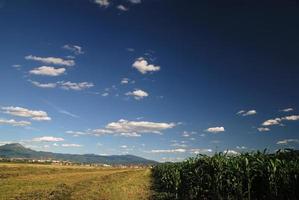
(16, 150)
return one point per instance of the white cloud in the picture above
(43, 85)
(64, 85)
(125, 126)
(143, 66)
(36, 115)
(263, 129)
(240, 112)
(105, 94)
(250, 112)
(130, 134)
(201, 151)
(47, 71)
(102, 3)
(168, 151)
(291, 118)
(271, 122)
(186, 134)
(287, 141)
(124, 146)
(135, 1)
(100, 132)
(72, 145)
(287, 110)
(51, 60)
(231, 152)
(179, 145)
(246, 113)
(75, 86)
(241, 147)
(127, 81)
(47, 139)
(138, 94)
(68, 113)
(215, 129)
(13, 122)
(122, 8)
(17, 66)
(277, 121)
(74, 49)
(76, 133)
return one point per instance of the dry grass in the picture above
(25, 181)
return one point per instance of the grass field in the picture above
(31, 181)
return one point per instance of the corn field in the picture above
(255, 175)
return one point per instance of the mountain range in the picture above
(16, 150)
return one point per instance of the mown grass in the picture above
(26, 181)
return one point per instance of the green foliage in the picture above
(246, 176)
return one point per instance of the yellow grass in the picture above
(31, 181)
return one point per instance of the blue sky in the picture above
(161, 79)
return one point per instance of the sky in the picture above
(161, 79)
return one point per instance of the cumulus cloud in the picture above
(144, 67)
(43, 85)
(47, 71)
(291, 118)
(36, 115)
(246, 113)
(271, 122)
(127, 128)
(122, 8)
(75, 86)
(74, 49)
(168, 151)
(277, 121)
(51, 60)
(102, 3)
(13, 122)
(126, 81)
(130, 134)
(72, 145)
(287, 141)
(287, 110)
(68, 85)
(47, 139)
(263, 129)
(138, 94)
(201, 151)
(215, 129)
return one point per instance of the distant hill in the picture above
(16, 150)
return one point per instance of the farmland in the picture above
(246, 176)
(33, 181)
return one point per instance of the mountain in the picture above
(16, 150)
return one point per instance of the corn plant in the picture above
(248, 176)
